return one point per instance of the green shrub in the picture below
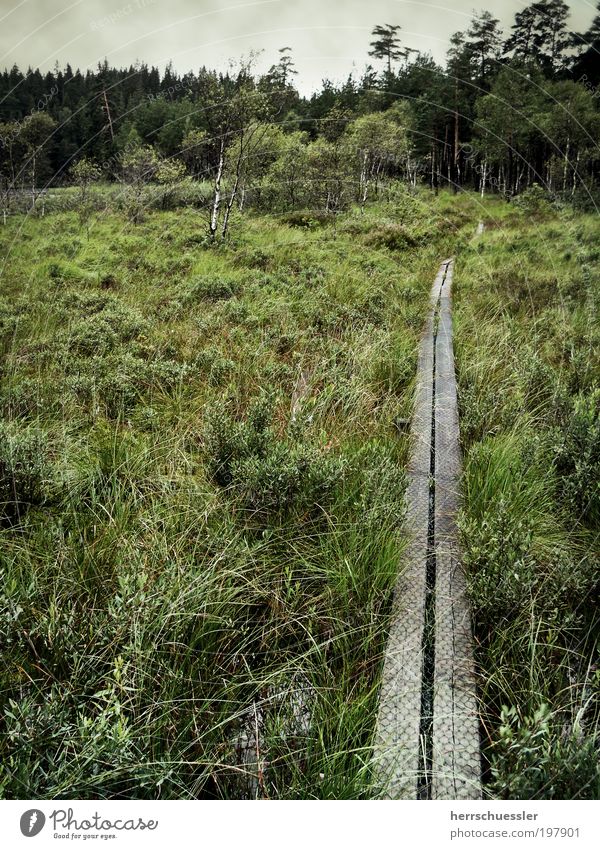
(24, 469)
(265, 473)
(288, 476)
(27, 398)
(255, 258)
(101, 332)
(217, 368)
(210, 289)
(84, 303)
(533, 201)
(92, 336)
(394, 237)
(577, 459)
(542, 386)
(12, 316)
(306, 219)
(535, 759)
(499, 554)
(64, 272)
(118, 381)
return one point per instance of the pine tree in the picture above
(386, 45)
(587, 64)
(552, 37)
(521, 42)
(461, 101)
(540, 32)
(284, 69)
(483, 42)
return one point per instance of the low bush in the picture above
(266, 473)
(12, 317)
(534, 201)
(577, 459)
(102, 331)
(210, 289)
(394, 237)
(535, 758)
(24, 469)
(306, 219)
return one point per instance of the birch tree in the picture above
(377, 143)
(236, 119)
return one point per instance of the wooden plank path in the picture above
(427, 737)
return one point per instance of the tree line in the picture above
(504, 112)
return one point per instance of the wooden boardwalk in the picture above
(427, 739)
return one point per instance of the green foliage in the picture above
(24, 469)
(286, 478)
(267, 474)
(391, 236)
(103, 332)
(534, 201)
(210, 289)
(529, 423)
(209, 504)
(306, 219)
(577, 458)
(12, 316)
(529, 763)
(84, 173)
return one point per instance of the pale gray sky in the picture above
(329, 37)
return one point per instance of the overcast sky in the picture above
(329, 38)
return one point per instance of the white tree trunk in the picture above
(566, 165)
(575, 173)
(214, 216)
(364, 182)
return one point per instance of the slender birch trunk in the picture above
(214, 217)
(566, 165)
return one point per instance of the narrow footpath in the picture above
(427, 739)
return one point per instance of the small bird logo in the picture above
(32, 822)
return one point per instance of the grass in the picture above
(527, 337)
(202, 491)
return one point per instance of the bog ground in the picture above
(202, 455)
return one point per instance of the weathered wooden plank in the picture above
(454, 771)
(456, 767)
(396, 750)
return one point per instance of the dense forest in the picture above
(508, 110)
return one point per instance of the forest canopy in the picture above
(508, 110)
